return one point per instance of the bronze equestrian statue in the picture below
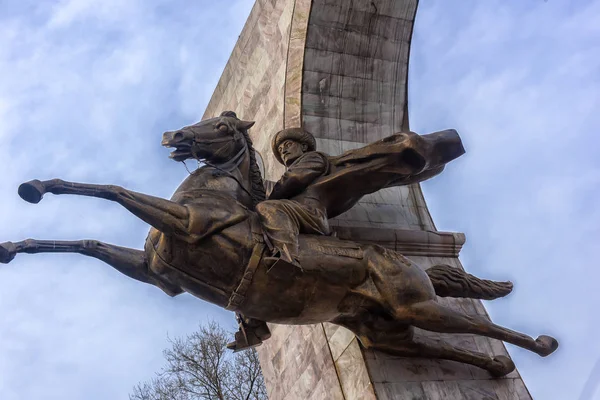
(208, 241)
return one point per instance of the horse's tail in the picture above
(454, 282)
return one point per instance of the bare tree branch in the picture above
(199, 367)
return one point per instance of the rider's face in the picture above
(290, 150)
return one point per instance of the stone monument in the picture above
(339, 68)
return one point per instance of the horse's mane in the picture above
(257, 188)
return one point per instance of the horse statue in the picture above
(207, 241)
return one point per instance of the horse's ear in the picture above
(246, 124)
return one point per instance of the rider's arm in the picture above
(300, 174)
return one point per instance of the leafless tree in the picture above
(200, 367)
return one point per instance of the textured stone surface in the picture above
(339, 68)
(297, 364)
(295, 61)
(355, 68)
(354, 92)
(253, 82)
(348, 359)
(353, 373)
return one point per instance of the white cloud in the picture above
(69, 12)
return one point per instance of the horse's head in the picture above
(216, 140)
(222, 143)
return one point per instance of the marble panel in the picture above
(339, 341)
(329, 15)
(336, 147)
(511, 389)
(326, 130)
(325, 37)
(382, 26)
(436, 390)
(324, 390)
(294, 65)
(402, 10)
(353, 374)
(404, 391)
(321, 60)
(478, 390)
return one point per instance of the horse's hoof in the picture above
(501, 366)
(8, 251)
(546, 345)
(32, 191)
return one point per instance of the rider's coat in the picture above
(286, 214)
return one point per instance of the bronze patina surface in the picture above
(208, 240)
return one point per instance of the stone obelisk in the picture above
(340, 68)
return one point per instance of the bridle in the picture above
(229, 165)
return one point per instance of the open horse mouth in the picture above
(179, 141)
(182, 151)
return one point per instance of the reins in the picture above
(227, 166)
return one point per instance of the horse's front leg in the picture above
(165, 215)
(130, 262)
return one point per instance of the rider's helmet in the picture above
(296, 134)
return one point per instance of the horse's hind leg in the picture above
(165, 215)
(397, 339)
(432, 316)
(429, 348)
(408, 295)
(128, 261)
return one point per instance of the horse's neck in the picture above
(220, 182)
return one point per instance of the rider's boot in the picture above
(251, 333)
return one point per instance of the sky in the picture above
(88, 87)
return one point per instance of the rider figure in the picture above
(286, 214)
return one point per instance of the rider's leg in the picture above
(280, 226)
(284, 220)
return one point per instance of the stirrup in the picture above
(249, 336)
